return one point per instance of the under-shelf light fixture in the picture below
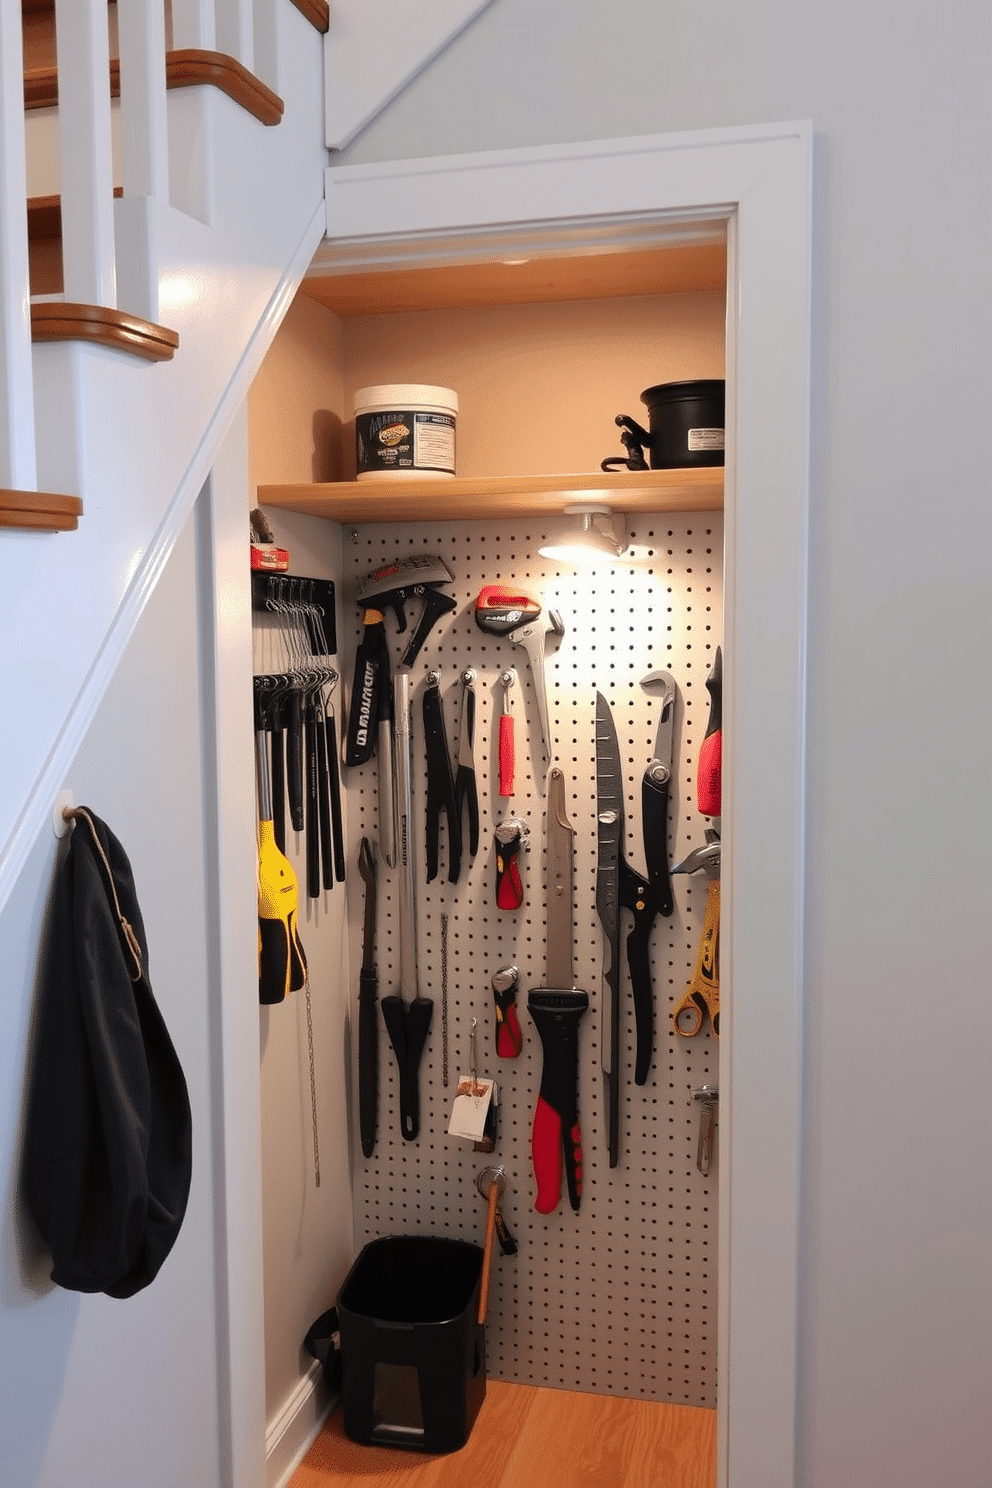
(599, 537)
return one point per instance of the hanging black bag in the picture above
(108, 1137)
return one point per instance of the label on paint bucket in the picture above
(705, 439)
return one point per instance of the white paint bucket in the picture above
(405, 430)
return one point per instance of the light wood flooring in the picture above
(527, 1437)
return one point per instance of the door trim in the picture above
(756, 180)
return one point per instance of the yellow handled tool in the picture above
(702, 995)
(282, 965)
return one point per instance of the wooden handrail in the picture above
(39, 511)
(317, 12)
(187, 68)
(58, 320)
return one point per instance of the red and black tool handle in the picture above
(509, 840)
(509, 1038)
(710, 768)
(556, 1139)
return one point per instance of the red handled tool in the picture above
(709, 770)
(507, 750)
(511, 835)
(501, 611)
(509, 1039)
(557, 1010)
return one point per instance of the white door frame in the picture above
(758, 181)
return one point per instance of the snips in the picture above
(440, 784)
(466, 788)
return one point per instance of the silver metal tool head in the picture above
(660, 682)
(707, 857)
(663, 683)
(468, 676)
(505, 979)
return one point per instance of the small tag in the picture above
(468, 1115)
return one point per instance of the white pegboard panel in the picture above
(619, 1298)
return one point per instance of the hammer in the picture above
(703, 992)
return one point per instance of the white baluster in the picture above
(18, 467)
(144, 153)
(87, 181)
(194, 25)
(235, 30)
(265, 40)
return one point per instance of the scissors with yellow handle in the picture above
(702, 996)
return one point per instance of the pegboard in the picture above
(619, 1298)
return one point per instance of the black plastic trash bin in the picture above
(413, 1354)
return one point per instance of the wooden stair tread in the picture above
(187, 68)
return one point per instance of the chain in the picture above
(444, 999)
(313, 1090)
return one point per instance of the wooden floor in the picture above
(526, 1437)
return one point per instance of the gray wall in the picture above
(896, 1345)
(102, 1392)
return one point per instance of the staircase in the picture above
(172, 160)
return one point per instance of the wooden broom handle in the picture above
(487, 1254)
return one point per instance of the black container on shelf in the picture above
(685, 427)
(413, 1354)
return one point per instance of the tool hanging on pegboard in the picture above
(479, 955)
(294, 639)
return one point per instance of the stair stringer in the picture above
(137, 441)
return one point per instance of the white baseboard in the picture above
(289, 1434)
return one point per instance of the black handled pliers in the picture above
(440, 784)
(466, 790)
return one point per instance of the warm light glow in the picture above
(179, 290)
(599, 537)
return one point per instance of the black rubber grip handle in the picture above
(408, 1024)
(312, 805)
(334, 786)
(368, 1060)
(277, 748)
(654, 821)
(294, 757)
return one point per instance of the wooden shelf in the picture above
(447, 499)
